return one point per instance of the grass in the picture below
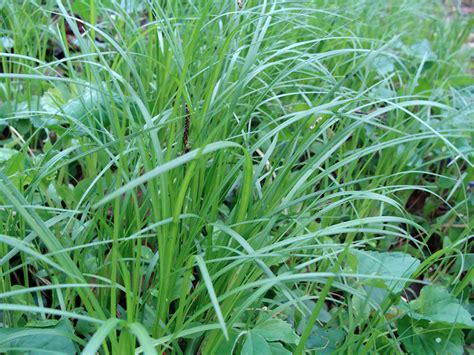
(267, 177)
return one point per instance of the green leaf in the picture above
(225, 346)
(212, 294)
(39, 341)
(276, 330)
(278, 349)
(430, 339)
(374, 295)
(43, 323)
(446, 182)
(143, 337)
(436, 304)
(392, 266)
(255, 345)
(100, 335)
(384, 64)
(170, 165)
(422, 49)
(195, 335)
(325, 341)
(6, 154)
(24, 299)
(6, 42)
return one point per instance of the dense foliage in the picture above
(257, 177)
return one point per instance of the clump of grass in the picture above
(258, 177)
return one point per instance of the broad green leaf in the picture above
(422, 49)
(380, 92)
(325, 341)
(6, 42)
(392, 266)
(436, 304)
(83, 104)
(55, 101)
(227, 346)
(384, 64)
(39, 341)
(255, 345)
(132, 6)
(278, 349)
(6, 154)
(372, 295)
(276, 330)
(43, 121)
(430, 339)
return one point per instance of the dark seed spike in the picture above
(187, 123)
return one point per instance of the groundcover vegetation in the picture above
(250, 177)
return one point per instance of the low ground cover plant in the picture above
(257, 177)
